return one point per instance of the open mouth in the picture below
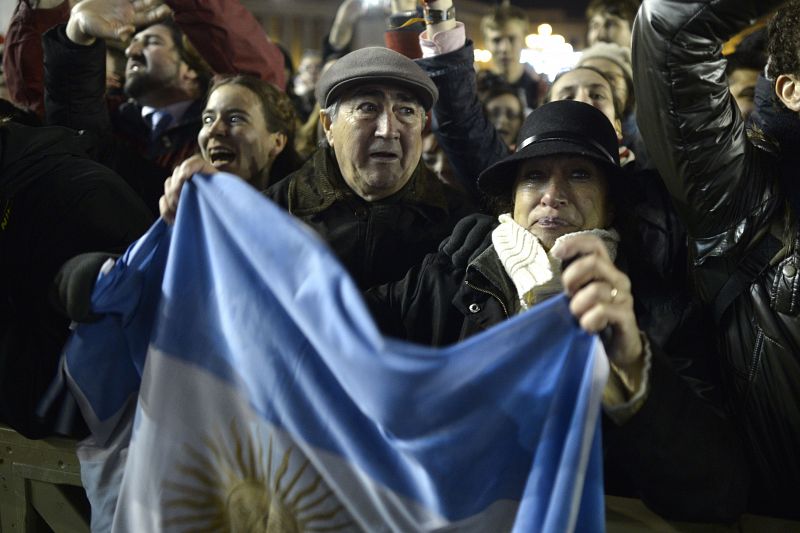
(221, 156)
(134, 66)
(384, 156)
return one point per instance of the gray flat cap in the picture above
(375, 64)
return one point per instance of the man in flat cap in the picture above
(367, 191)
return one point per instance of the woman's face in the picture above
(234, 136)
(505, 112)
(559, 194)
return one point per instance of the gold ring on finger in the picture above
(614, 293)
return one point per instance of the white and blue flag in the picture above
(236, 382)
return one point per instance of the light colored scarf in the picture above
(535, 274)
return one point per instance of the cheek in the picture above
(352, 141)
(251, 144)
(202, 140)
(524, 202)
(413, 149)
(593, 206)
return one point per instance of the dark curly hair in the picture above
(783, 42)
(624, 9)
(279, 116)
(751, 52)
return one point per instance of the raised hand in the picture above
(112, 19)
(168, 203)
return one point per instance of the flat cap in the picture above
(375, 64)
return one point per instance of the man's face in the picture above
(605, 27)
(309, 70)
(153, 62)
(505, 43)
(614, 73)
(560, 194)
(588, 87)
(505, 112)
(377, 138)
(234, 137)
(742, 84)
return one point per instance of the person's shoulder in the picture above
(279, 192)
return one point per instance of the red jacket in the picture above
(224, 32)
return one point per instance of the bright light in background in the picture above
(548, 53)
(482, 56)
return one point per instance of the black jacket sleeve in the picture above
(691, 125)
(467, 137)
(75, 98)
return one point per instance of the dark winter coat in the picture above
(742, 236)
(55, 203)
(376, 241)
(678, 453)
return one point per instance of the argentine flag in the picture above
(236, 382)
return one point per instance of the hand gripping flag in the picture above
(236, 382)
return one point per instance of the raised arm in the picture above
(23, 56)
(690, 123)
(229, 38)
(467, 137)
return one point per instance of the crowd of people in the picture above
(652, 183)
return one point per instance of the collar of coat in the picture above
(319, 184)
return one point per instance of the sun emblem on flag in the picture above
(237, 487)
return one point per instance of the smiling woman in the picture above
(248, 130)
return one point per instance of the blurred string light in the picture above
(482, 56)
(547, 52)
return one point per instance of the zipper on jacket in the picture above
(490, 293)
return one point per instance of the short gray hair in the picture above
(332, 110)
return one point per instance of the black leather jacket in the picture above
(727, 190)
(678, 453)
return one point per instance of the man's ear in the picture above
(787, 89)
(189, 78)
(326, 122)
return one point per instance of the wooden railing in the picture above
(40, 491)
(40, 486)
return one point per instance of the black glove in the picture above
(73, 285)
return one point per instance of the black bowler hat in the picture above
(564, 127)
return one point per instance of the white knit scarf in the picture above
(536, 275)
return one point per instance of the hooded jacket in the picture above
(743, 238)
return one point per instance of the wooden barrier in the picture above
(40, 486)
(40, 491)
